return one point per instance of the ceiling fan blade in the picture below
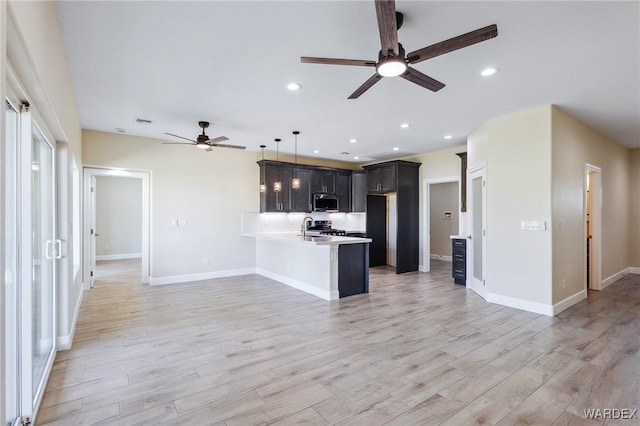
(332, 61)
(218, 139)
(181, 137)
(366, 86)
(388, 26)
(452, 44)
(176, 143)
(221, 145)
(423, 80)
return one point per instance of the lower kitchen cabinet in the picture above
(459, 260)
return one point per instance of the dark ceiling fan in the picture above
(203, 140)
(392, 60)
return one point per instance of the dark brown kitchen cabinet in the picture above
(324, 181)
(381, 178)
(272, 200)
(343, 191)
(301, 197)
(358, 192)
(401, 178)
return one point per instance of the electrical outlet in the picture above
(205, 261)
(564, 283)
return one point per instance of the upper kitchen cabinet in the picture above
(272, 200)
(323, 181)
(381, 178)
(358, 192)
(343, 191)
(301, 197)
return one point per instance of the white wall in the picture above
(438, 164)
(3, 320)
(574, 145)
(118, 217)
(634, 208)
(443, 197)
(37, 54)
(206, 191)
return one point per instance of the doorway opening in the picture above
(592, 226)
(116, 218)
(441, 218)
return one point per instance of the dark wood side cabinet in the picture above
(353, 269)
(459, 260)
(463, 181)
(401, 177)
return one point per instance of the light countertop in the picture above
(296, 238)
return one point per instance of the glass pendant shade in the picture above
(295, 183)
(277, 186)
(263, 187)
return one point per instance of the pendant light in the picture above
(263, 187)
(277, 185)
(295, 182)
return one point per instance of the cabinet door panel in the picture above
(343, 191)
(301, 197)
(359, 192)
(388, 178)
(373, 180)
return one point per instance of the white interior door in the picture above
(476, 246)
(93, 233)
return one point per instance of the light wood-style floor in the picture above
(417, 350)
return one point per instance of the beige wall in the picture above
(210, 190)
(118, 216)
(634, 208)
(443, 197)
(3, 314)
(438, 164)
(518, 176)
(37, 54)
(575, 145)
(38, 27)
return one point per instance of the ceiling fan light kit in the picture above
(392, 61)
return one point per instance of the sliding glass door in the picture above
(30, 253)
(11, 384)
(44, 250)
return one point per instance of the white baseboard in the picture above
(119, 256)
(441, 257)
(525, 305)
(613, 278)
(569, 302)
(323, 294)
(633, 270)
(64, 342)
(202, 276)
(422, 268)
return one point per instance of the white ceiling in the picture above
(228, 62)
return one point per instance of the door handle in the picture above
(58, 249)
(48, 246)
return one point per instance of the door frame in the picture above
(89, 175)
(595, 281)
(426, 216)
(478, 287)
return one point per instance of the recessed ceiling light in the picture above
(294, 86)
(316, 151)
(448, 136)
(488, 71)
(395, 148)
(356, 158)
(405, 125)
(353, 140)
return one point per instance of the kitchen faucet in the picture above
(303, 227)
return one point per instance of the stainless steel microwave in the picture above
(325, 203)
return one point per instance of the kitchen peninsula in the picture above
(329, 267)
